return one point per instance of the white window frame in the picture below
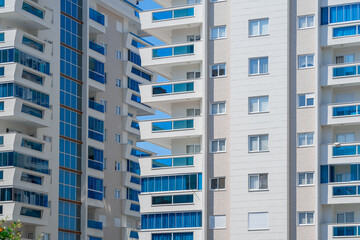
(195, 73)
(118, 110)
(218, 145)
(118, 138)
(194, 147)
(118, 82)
(306, 56)
(197, 112)
(344, 58)
(306, 217)
(258, 229)
(258, 103)
(218, 32)
(117, 194)
(306, 174)
(117, 166)
(258, 66)
(259, 27)
(218, 108)
(212, 222)
(197, 37)
(307, 96)
(259, 144)
(345, 217)
(217, 184)
(218, 70)
(118, 54)
(306, 21)
(306, 139)
(345, 134)
(258, 189)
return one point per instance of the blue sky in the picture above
(147, 5)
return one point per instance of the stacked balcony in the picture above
(97, 22)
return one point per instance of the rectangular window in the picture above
(118, 138)
(217, 222)
(117, 194)
(349, 58)
(2, 35)
(192, 112)
(258, 182)
(118, 82)
(305, 178)
(258, 143)
(217, 183)
(2, 106)
(193, 75)
(118, 166)
(172, 199)
(258, 66)
(1, 175)
(103, 102)
(345, 217)
(218, 146)
(118, 54)
(218, 108)
(2, 71)
(218, 70)
(191, 149)
(1, 140)
(258, 27)
(33, 44)
(306, 22)
(193, 38)
(218, 32)
(306, 218)
(345, 137)
(118, 110)
(26, 177)
(258, 104)
(305, 139)
(306, 100)
(258, 221)
(306, 61)
(32, 77)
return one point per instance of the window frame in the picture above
(258, 229)
(218, 70)
(258, 64)
(258, 97)
(212, 218)
(258, 136)
(118, 82)
(345, 217)
(217, 184)
(258, 189)
(306, 179)
(258, 20)
(218, 32)
(306, 217)
(118, 138)
(218, 145)
(117, 194)
(306, 61)
(306, 139)
(218, 107)
(306, 21)
(119, 55)
(306, 95)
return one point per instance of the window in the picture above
(306, 61)
(306, 218)
(218, 146)
(118, 166)
(193, 75)
(305, 139)
(306, 22)
(183, 220)
(130, 142)
(305, 178)
(218, 70)
(218, 32)
(103, 102)
(345, 217)
(258, 221)
(45, 236)
(217, 183)
(118, 138)
(258, 66)
(258, 143)
(117, 194)
(1, 175)
(2, 106)
(191, 112)
(2, 71)
(1, 140)
(118, 110)
(218, 108)
(345, 137)
(258, 181)
(217, 222)
(306, 100)
(191, 149)
(258, 104)
(349, 58)
(259, 27)
(118, 54)
(193, 38)
(117, 222)
(118, 82)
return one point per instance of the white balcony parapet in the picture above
(340, 193)
(340, 153)
(340, 113)
(345, 33)
(133, 99)
(340, 231)
(339, 74)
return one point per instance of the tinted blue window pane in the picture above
(344, 71)
(324, 16)
(184, 87)
(134, 85)
(163, 89)
(344, 111)
(163, 162)
(2, 106)
(97, 16)
(344, 231)
(324, 178)
(344, 151)
(135, 207)
(162, 15)
(32, 145)
(30, 212)
(32, 111)
(95, 224)
(344, 191)
(2, 71)
(31, 178)
(24, 161)
(96, 47)
(162, 126)
(33, 44)
(171, 183)
(172, 220)
(33, 10)
(32, 77)
(345, 31)
(96, 106)
(2, 3)
(1, 140)
(133, 167)
(162, 52)
(134, 234)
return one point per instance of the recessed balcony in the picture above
(131, 208)
(26, 213)
(337, 34)
(131, 180)
(171, 164)
(96, 110)
(340, 74)
(133, 99)
(97, 22)
(340, 193)
(340, 114)
(341, 231)
(162, 22)
(162, 59)
(27, 13)
(131, 125)
(161, 131)
(340, 153)
(97, 51)
(162, 95)
(95, 228)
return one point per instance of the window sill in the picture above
(216, 77)
(257, 36)
(266, 151)
(305, 68)
(305, 28)
(305, 107)
(214, 39)
(217, 152)
(307, 146)
(306, 185)
(259, 190)
(217, 190)
(258, 74)
(256, 113)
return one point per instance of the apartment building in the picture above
(70, 72)
(263, 129)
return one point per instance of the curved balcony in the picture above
(130, 208)
(131, 180)
(131, 125)
(27, 13)
(161, 22)
(33, 215)
(340, 114)
(339, 74)
(160, 132)
(162, 95)
(134, 152)
(162, 59)
(346, 33)
(133, 99)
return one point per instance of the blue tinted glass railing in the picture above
(138, 153)
(345, 31)
(96, 106)
(2, 106)
(142, 39)
(33, 44)
(173, 51)
(2, 3)
(345, 191)
(96, 47)
(172, 162)
(24, 161)
(346, 150)
(2, 71)
(134, 234)
(1, 140)
(95, 165)
(345, 231)
(32, 77)
(345, 71)
(346, 111)
(32, 111)
(173, 14)
(135, 180)
(137, 99)
(173, 88)
(97, 77)
(135, 125)
(32, 145)
(173, 125)
(33, 10)
(31, 178)
(30, 212)
(95, 195)
(96, 136)
(95, 224)
(340, 13)
(96, 16)
(135, 207)
(2, 35)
